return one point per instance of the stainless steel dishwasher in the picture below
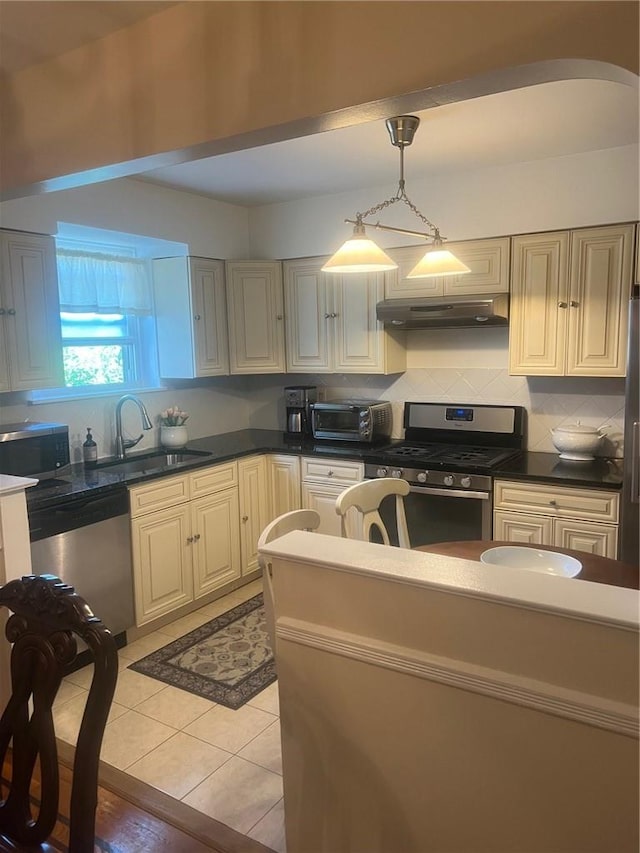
(86, 541)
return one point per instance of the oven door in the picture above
(440, 515)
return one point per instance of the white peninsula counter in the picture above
(430, 703)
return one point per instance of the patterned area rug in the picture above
(227, 660)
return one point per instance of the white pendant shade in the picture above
(438, 262)
(359, 254)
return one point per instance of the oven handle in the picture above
(450, 493)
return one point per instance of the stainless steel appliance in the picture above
(367, 421)
(447, 456)
(86, 541)
(298, 401)
(447, 312)
(34, 449)
(629, 550)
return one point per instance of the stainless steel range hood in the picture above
(453, 312)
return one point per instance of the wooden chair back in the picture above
(297, 519)
(46, 616)
(366, 498)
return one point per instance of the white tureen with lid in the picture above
(577, 442)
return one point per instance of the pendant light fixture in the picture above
(361, 254)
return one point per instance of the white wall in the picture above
(561, 192)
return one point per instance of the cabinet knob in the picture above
(329, 473)
(327, 316)
(245, 518)
(2, 311)
(11, 311)
(574, 304)
(562, 304)
(334, 315)
(553, 503)
(278, 316)
(189, 540)
(196, 316)
(196, 537)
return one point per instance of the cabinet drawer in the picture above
(557, 502)
(158, 495)
(332, 470)
(208, 480)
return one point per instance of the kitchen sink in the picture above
(146, 462)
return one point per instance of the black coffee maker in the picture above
(298, 399)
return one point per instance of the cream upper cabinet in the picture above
(569, 302)
(190, 306)
(488, 261)
(255, 507)
(30, 337)
(542, 514)
(331, 323)
(256, 316)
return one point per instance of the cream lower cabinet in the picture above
(322, 481)
(539, 514)
(569, 302)
(185, 538)
(331, 323)
(284, 478)
(255, 507)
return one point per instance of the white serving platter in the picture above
(533, 560)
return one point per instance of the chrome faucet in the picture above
(122, 443)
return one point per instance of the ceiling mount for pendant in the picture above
(360, 254)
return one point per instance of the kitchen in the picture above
(471, 369)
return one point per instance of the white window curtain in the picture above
(104, 284)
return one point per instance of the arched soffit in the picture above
(493, 82)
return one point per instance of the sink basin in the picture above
(147, 462)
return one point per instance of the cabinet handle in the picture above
(574, 304)
(245, 518)
(329, 473)
(11, 311)
(553, 503)
(562, 304)
(334, 315)
(2, 311)
(327, 316)
(189, 540)
(196, 316)
(196, 537)
(278, 316)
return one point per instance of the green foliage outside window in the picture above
(93, 365)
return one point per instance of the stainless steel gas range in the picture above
(448, 455)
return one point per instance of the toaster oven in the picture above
(367, 421)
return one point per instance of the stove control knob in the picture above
(381, 472)
(448, 480)
(465, 482)
(396, 472)
(423, 476)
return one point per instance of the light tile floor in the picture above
(227, 764)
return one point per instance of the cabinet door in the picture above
(308, 316)
(254, 508)
(209, 317)
(539, 304)
(32, 312)
(601, 261)
(396, 283)
(285, 484)
(601, 539)
(215, 527)
(527, 529)
(358, 338)
(162, 574)
(488, 261)
(256, 317)
(322, 498)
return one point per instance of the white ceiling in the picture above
(548, 120)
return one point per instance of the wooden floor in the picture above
(134, 818)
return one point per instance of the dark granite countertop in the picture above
(80, 482)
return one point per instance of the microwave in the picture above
(352, 420)
(34, 449)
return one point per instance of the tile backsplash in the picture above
(549, 401)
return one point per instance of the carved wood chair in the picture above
(366, 498)
(46, 614)
(297, 519)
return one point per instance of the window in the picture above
(106, 320)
